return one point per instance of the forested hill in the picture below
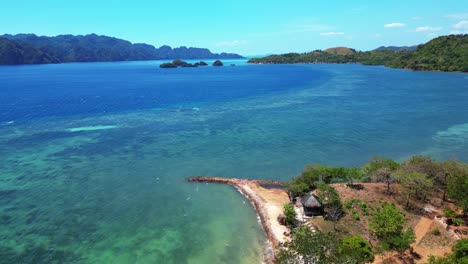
(395, 48)
(446, 53)
(32, 49)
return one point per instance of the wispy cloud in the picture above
(233, 43)
(378, 35)
(457, 16)
(462, 24)
(416, 18)
(460, 27)
(332, 33)
(428, 28)
(394, 24)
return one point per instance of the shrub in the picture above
(403, 241)
(290, 215)
(356, 216)
(358, 248)
(458, 222)
(450, 213)
(349, 204)
(436, 232)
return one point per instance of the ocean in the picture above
(94, 156)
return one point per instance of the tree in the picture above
(352, 174)
(309, 247)
(297, 188)
(331, 203)
(388, 223)
(358, 248)
(457, 184)
(459, 255)
(403, 241)
(414, 185)
(425, 165)
(290, 215)
(381, 169)
(385, 175)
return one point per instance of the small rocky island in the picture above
(218, 63)
(180, 63)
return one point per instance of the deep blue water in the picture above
(76, 89)
(94, 155)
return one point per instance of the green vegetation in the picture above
(12, 53)
(445, 53)
(180, 63)
(419, 176)
(331, 203)
(323, 248)
(30, 49)
(417, 179)
(415, 186)
(167, 65)
(303, 248)
(458, 222)
(357, 248)
(450, 213)
(459, 255)
(315, 174)
(388, 223)
(457, 183)
(290, 215)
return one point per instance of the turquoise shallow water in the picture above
(94, 156)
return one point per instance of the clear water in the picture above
(93, 156)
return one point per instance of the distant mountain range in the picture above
(32, 49)
(396, 48)
(445, 53)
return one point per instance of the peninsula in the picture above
(445, 53)
(382, 212)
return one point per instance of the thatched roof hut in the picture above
(312, 205)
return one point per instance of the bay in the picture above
(93, 156)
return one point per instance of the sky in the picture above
(247, 27)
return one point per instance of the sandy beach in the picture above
(268, 203)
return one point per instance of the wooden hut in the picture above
(311, 205)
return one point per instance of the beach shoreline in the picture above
(268, 203)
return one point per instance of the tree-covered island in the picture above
(445, 53)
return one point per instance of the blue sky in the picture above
(245, 27)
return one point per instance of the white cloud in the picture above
(458, 16)
(460, 27)
(427, 28)
(461, 24)
(394, 24)
(332, 33)
(233, 43)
